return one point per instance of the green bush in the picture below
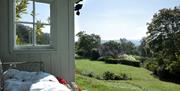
(125, 77)
(105, 58)
(136, 57)
(143, 59)
(94, 54)
(165, 69)
(99, 77)
(170, 72)
(89, 74)
(151, 64)
(122, 77)
(101, 59)
(81, 53)
(174, 68)
(111, 76)
(112, 61)
(130, 63)
(127, 57)
(126, 62)
(78, 57)
(123, 59)
(108, 75)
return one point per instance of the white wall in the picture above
(60, 61)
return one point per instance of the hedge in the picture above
(126, 62)
(132, 63)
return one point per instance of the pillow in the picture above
(9, 74)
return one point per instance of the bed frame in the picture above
(22, 66)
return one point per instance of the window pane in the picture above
(24, 34)
(42, 12)
(24, 9)
(43, 34)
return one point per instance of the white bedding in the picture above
(15, 80)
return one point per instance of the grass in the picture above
(142, 80)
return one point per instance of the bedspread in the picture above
(15, 80)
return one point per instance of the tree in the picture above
(164, 42)
(143, 49)
(127, 46)
(110, 49)
(86, 43)
(24, 33)
(21, 7)
(164, 32)
(42, 38)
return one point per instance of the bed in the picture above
(28, 76)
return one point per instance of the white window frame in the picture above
(34, 47)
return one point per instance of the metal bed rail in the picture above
(30, 66)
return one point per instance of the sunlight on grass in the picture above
(142, 80)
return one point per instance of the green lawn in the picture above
(142, 80)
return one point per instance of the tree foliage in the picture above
(24, 33)
(164, 33)
(86, 43)
(113, 48)
(164, 41)
(143, 49)
(21, 7)
(110, 48)
(127, 46)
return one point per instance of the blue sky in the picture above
(114, 19)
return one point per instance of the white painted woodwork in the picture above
(60, 60)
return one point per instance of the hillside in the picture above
(142, 80)
(135, 42)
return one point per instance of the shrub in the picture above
(94, 54)
(89, 74)
(81, 52)
(125, 77)
(127, 57)
(122, 61)
(108, 75)
(174, 68)
(169, 72)
(99, 77)
(112, 61)
(140, 59)
(152, 66)
(131, 63)
(78, 57)
(117, 77)
(111, 76)
(164, 68)
(101, 59)
(136, 57)
(121, 77)
(143, 59)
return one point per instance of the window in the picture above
(32, 23)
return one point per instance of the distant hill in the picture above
(135, 42)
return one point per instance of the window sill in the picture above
(29, 48)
